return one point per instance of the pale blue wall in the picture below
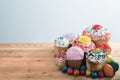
(43, 20)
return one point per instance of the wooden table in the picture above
(35, 61)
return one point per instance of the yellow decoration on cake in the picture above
(84, 39)
(97, 48)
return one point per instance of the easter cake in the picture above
(86, 55)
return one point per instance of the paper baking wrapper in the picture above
(94, 66)
(74, 63)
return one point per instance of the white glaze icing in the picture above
(97, 57)
(97, 34)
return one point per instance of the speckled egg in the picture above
(108, 70)
(64, 69)
(76, 72)
(70, 71)
(115, 65)
(94, 74)
(88, 72)
(83, 67)
(82, 72)
(100, 73)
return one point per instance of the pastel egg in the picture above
(94, 74)
(115, 65)
(100, 73)
(76, 72)
(88, 72)
(64, 69)
(70, 71)
(82, 72)
(109, 58)
(83, 67)
(108, 70)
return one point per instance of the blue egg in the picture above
(64, 69)
(94, 74)
(83, 67)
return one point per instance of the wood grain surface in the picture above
(35, 61)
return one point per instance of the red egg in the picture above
(82, 72)
(70, 71)
(100, 74)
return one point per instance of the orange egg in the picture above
(76, 72)
(108, 70)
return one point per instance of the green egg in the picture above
(115, 65)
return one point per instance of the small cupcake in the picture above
(96, 59)
(97, 33)
(60, 59)
(74, 56)
(105, 47)
(61, 44)
(85, 43)
(70, 37)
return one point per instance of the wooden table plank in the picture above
(35, 61)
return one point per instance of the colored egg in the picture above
(83, 67)
(115, 65)
(76, 72)
(88, 72)
(64, 69)
(108, 70)
(109, 58)
(70, 71)
(82, 72)
(100, 73)
(94, 74)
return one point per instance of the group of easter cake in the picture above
(88, 54)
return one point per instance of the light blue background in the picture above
(43, 20)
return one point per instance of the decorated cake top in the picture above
(85, 43)
(97, 55)
(97, 32)
(84, 40)
(61, 42)
(75, 53)
(70, 37)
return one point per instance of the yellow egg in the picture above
(110, 58)
(108, 70)
(88, 72)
